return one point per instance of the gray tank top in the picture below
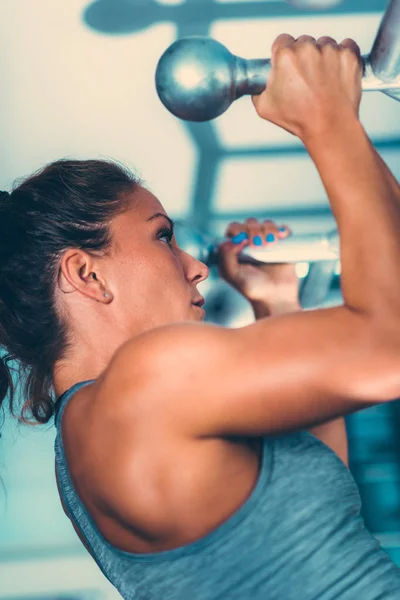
(298, 536)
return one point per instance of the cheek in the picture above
(150, 273)
(167, 264)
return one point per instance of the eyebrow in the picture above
(157, 215)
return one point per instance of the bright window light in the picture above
(269, 183)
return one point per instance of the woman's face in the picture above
(152, 280)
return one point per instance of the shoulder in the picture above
(167, 340)
(163, 353)
(150, 366)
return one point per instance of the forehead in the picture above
(142, 205)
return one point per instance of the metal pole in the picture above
(385, 53)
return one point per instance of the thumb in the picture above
(228, 254)
(262, 104)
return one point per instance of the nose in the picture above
(195, 270)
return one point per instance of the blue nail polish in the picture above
(239, 238)
(257, 241)
(270, 237)
(282, 229)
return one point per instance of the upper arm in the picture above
(277, 374)
(334, 435)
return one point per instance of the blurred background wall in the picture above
(78, 81)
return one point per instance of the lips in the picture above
(199, 302)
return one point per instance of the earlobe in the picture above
(106, 295)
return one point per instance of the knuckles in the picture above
(309, 47)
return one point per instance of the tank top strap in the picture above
(62, 400)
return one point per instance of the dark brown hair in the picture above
(68, 203)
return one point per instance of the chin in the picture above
(200, 312)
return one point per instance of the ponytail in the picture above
(6, 383)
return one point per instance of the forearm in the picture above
(367, 210)
(391, 178)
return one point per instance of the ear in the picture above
(81, 272)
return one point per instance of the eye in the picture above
(167, 233)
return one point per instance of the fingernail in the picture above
(257, 241)
(240, 237)
(283, 232)
(270, 237)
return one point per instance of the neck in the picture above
(82, 365)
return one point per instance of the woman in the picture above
(175, 454)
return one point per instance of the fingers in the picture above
(285, 40)
(304, 72)
(256, 233)
(281, 41)
(352, 45)
(305, 38)
(326, 40)
(261, 234)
